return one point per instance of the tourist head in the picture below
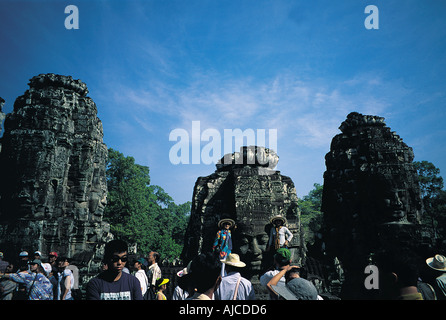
(206, 269)
(282, 257)
(153, 257)
(116, 255)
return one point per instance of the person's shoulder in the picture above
(270, 273)
(128, 277)
(67, 272)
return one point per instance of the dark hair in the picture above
(62, 258)
(113, 247)
(290, 272)
(206, 269)
(157, 256)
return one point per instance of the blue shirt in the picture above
(227, 286)
(41, 288)
(126, 288)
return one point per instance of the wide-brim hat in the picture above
(233, 259)
(283, 219)
(438, 262)
(297, 289)
(226, 220)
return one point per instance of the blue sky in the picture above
(296, 66)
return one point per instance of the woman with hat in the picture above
(161, 286)
(223, 239)
(280, 235)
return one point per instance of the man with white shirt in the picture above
(233, 286)
(282, 260)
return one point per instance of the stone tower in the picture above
(52, 166)
(246, 188)
(371, 198)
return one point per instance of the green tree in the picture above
(311, 215)
(142, 213)
(433, 196)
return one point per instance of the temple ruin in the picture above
(53, 186)
(371, 198)
(53, 192)
(247, 189)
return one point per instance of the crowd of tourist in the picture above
(215, 275)
(29, 278)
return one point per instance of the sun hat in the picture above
(283, 219)
(164, 281)
(226, 220)
(297, 289)
(233, 259)
(438, 262)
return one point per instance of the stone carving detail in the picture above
(371, 198)
(250, 193)
(53, 186)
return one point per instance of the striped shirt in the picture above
(41, 288)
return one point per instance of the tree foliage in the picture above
(311, 215)
(141, 213)
(433, 196)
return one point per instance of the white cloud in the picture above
(306, 113)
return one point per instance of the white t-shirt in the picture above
(142, 277)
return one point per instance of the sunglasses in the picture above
(116, 259)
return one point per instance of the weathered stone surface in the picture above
(371, 198)
(53, 185)
(250, 193)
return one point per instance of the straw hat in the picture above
(437, 263)
(233, 259)
(226, 220)
(278, 218)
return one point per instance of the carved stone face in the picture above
(396, 199)
(251, 247)
(394, 204)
